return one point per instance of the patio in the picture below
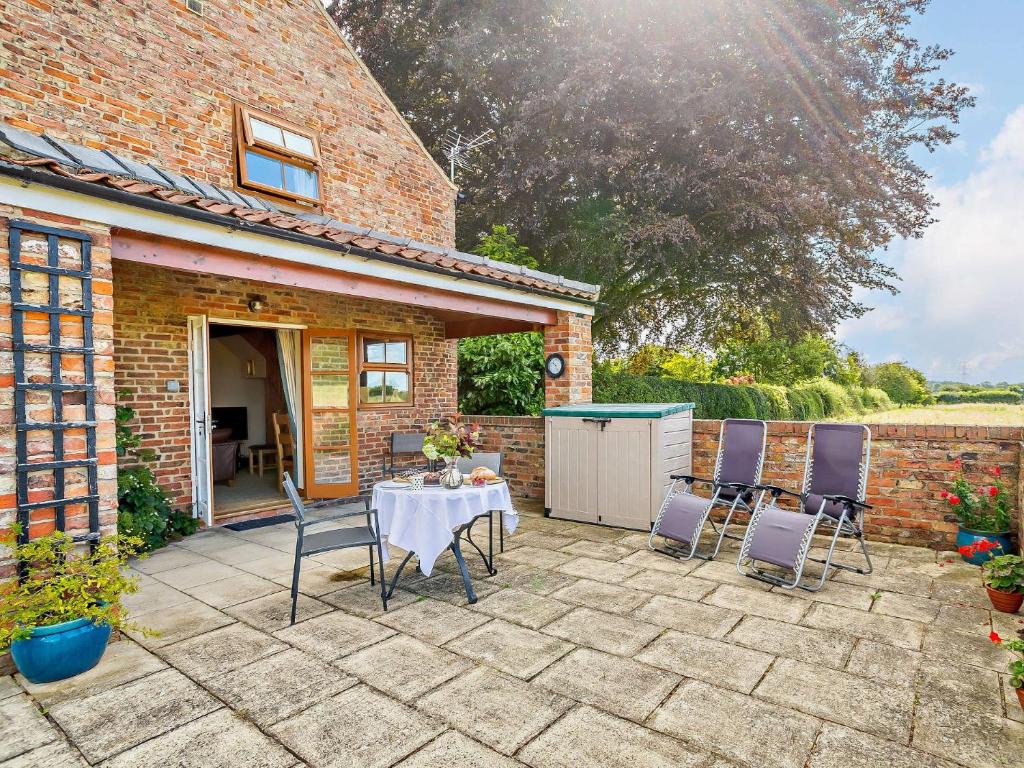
(585, 649)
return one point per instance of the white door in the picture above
(199, 412)
(624, 474)
(571, 456)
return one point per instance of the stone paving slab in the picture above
(882, 629)
(841, 747)
(712, 661)
(510, 648)
(623, 687)
(274, 611)
(219, 651)
(113, 721)
(453, 750)
(433, 621)
(655, 561)
(179, 622)
(333, 635)
(601, 596)
(8, 687)
(604, 631)
(364, 600)
(975, 739)
(22, 727)
(598, 570)
(696, 618)
(770, 605)
(497, 709)
(671, 585)
(976, 649)
(520, 607)
(541, 558)
(588, 737)
(279, 686)
(884, 663)
(529, 578)
(57, 754)
(868, 705)
(239, 588)
(193, 574)
(814, 646)
(358, 727)
(600, 550)
(753, 732)
(404, 667)
(217, 740)
(167, 559)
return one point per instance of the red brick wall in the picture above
(570, 337)
(910, 466)
(520, 439)
(151, 305)
(39, 407)
(156, 82)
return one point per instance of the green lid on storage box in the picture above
(618, 410)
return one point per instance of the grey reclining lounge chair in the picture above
(307, 544)
(683, 514)
(835, 481)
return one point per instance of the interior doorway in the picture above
(251, 442)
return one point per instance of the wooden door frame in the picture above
(312, 488)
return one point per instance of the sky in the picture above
(959, 314)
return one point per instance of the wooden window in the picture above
(277, 158)
(385, 371)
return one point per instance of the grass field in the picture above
(994, 414)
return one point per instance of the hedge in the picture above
(978, 396)
(807, 401)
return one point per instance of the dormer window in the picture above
(277, 158)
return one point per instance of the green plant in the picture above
(62, 584)
(1004, 573)
(985, 508)
(502, 375)
(144, 511)
(1015, 646)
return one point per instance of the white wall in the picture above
(230, 387)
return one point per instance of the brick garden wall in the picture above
(520, 439)
(39, 405)
(910, 465)
(151, 305)
(156, 82)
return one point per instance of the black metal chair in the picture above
(337, 538)
(405, 444)
(493, 462)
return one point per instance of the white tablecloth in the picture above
(423, 521)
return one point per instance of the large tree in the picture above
(714, 164)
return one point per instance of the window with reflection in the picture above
(385, 372)
(276, 157)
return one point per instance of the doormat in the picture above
(260, 522)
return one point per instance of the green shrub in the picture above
(808, 401)
(978, 396)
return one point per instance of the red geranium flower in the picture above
(994, 637)
(953, 499)
(997, 471)
(967, 550)
(957, 463)
(944, 494)
(993, 491)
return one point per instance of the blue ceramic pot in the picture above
(965, 537)
(60, 650)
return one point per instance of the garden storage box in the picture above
(610, 463)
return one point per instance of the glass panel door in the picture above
(331, 463)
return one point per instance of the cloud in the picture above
(960, 307)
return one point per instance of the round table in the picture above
(428, 521)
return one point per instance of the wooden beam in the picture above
(194, 257)
(486, 326)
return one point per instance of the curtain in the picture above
(289, 355)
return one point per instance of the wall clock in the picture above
(554, 365)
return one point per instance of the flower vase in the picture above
(451, 476)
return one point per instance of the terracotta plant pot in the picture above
(1020, 695)
(1007, 602)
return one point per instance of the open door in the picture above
(199, 411)
(329, 413)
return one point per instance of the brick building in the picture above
(219, 219)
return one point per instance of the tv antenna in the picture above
(458, 147)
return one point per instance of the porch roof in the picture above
(40, 156)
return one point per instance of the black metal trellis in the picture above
(56, 386)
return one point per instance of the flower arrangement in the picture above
(451, 438)
(1004, 573)
(979, 508)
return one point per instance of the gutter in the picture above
(29, 175)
